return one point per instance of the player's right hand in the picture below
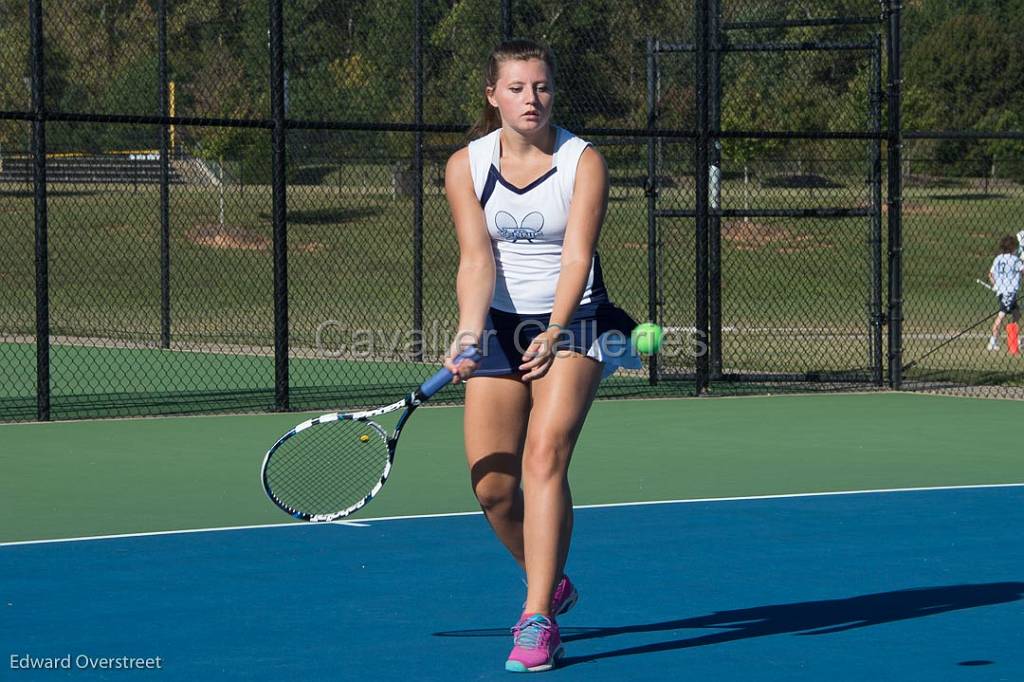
(466, 367)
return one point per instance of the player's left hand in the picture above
(538, 357)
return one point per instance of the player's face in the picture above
(523, 94)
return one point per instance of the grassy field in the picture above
(795, 293)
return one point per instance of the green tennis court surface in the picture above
(69, 479)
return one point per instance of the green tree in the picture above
(967, 67)
(967, 73)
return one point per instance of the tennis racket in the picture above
(329, 467)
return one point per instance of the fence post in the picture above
(41, 223)
(701, 180)
(651, 190)
(165, 175)
(279, 205)
(895, 200)
(715, 169)
(875, 237)
(417, 220)
(506, 19)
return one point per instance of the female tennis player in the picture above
(528, 199)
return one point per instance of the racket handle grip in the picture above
(443, 377)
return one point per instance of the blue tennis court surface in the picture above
(917, 585)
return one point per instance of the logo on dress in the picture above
(511, 230)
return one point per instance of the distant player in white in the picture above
(1005, 278)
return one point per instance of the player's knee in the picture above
(494, 494)
(546, 457)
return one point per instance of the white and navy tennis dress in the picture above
(527, 230)
(1006, 269)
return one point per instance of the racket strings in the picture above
(328, 467)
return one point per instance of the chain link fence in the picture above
(216, 207)
(960, 200)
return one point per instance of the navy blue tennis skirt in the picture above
(507, 336)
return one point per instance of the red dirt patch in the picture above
(744, 236)
(237, 238)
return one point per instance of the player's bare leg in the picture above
(495, 427)
(561, 399)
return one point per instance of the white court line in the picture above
(367, 522)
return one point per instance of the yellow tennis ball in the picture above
(364, 438)
(647, 338)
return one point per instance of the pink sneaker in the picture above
(564, 598)
(537, 645)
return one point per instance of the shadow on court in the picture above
(804, 618)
